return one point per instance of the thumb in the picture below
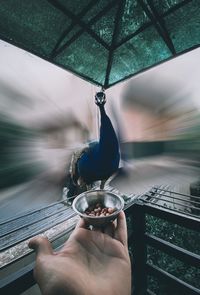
(41, 245)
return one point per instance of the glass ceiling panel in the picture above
(75, 6)
(69, 35)
(142, 51)
(184, 30)
(34, 25)
(105, 26)
(163, 6)
(99, 6)
(86, 57)
(132, 19)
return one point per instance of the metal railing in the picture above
(140, 240)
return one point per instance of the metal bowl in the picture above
(90, 198)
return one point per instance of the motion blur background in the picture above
(46, 113)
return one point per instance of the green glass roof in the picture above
(102, 41)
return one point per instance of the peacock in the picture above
(98, 160)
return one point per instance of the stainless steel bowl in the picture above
(90, 198)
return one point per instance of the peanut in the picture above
(99, 210)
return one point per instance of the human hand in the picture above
(90, 262)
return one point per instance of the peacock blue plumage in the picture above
(100, 159)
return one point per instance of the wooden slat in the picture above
(35, 228)
(18, 282)
(19, 216)
(26, 220)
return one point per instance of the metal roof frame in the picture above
(154, 19)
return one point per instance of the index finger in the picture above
(121, 229)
